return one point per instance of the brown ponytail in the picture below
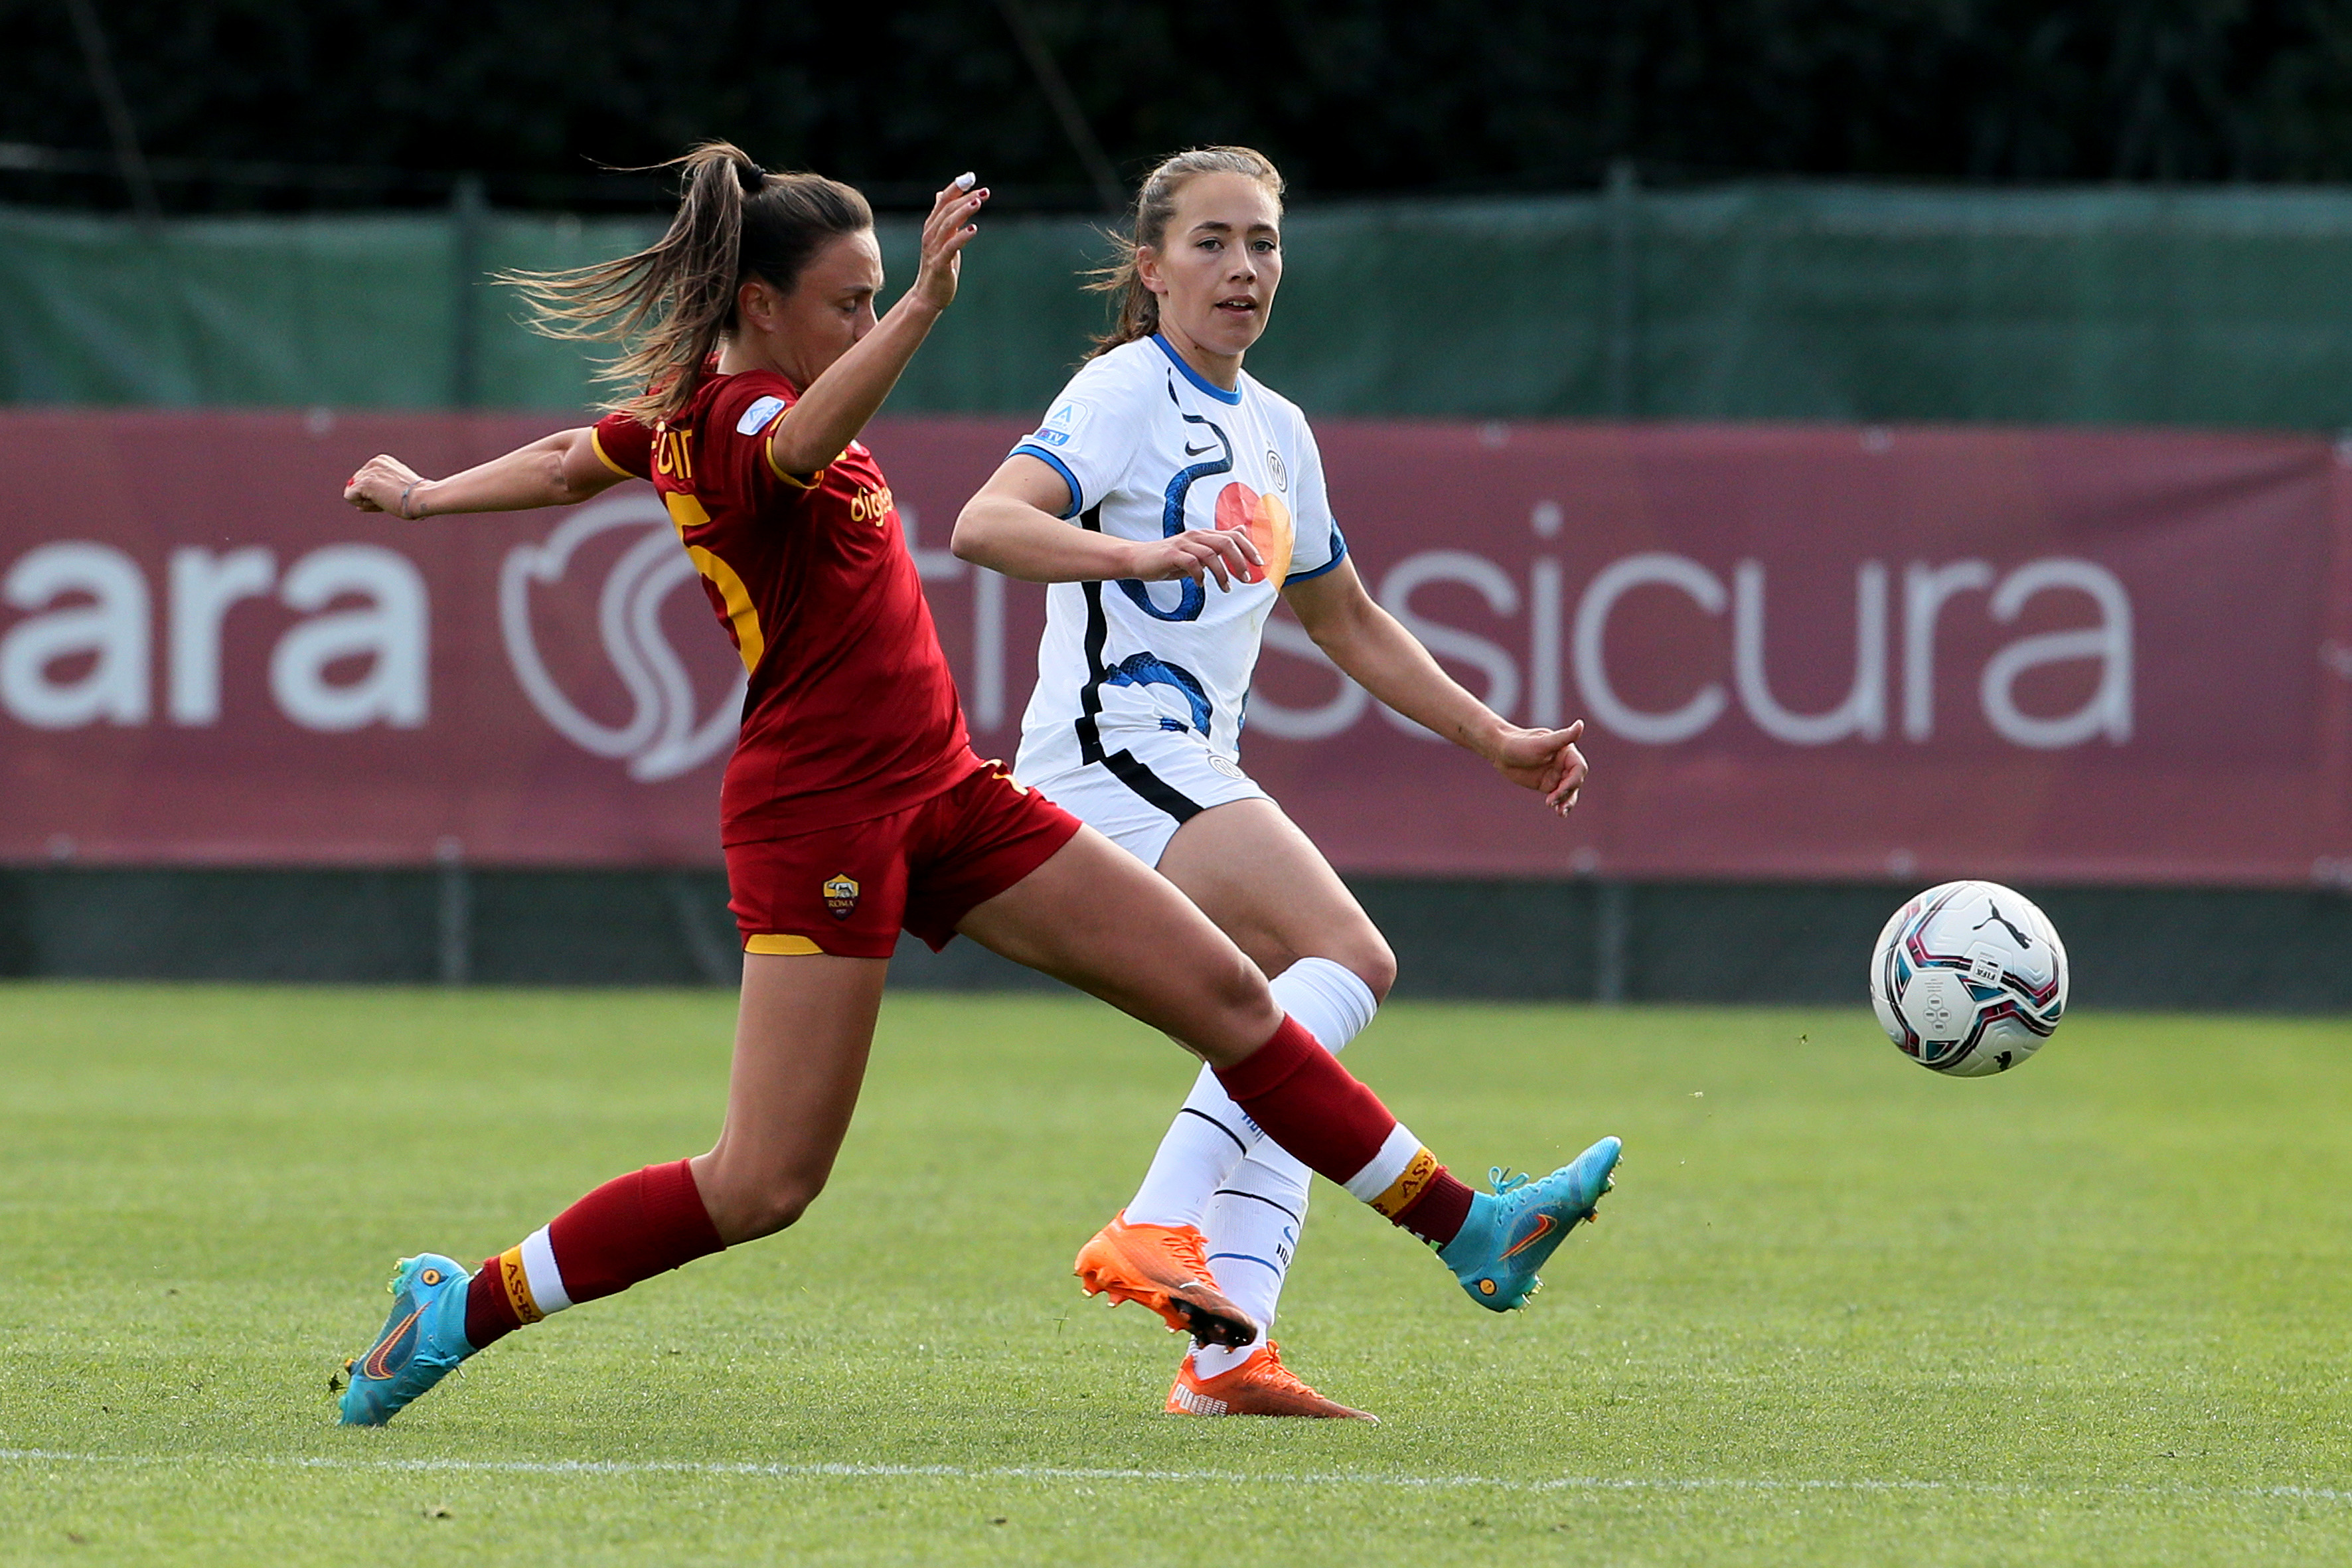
(1155, 205)
(671, 304)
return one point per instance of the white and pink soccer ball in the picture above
(1968, 979)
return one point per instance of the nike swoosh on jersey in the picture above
(1193, 451)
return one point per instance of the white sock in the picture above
(1211, 1135)
(1252, 1224)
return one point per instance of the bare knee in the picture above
(1244, 1011)
(745, 1206)
(1241, 992)
(1359, 948)
(772, 1209)
(1371, 960)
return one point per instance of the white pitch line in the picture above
(1223, 1478)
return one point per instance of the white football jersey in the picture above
(1149, 448)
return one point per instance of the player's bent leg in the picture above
(802, 1039)
(1263, 883)
(1098, 919)
(1266, 885)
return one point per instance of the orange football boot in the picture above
(1260, 1385)
(1166, 1268)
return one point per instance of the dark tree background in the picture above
(1350, 95)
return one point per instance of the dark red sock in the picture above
(490, 1315)
(631, 1228)
(1438, 1213)
(1308, 1103)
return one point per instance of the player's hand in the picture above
(1199, 554)
(386, 484)
(1545, 761)
(945, 234)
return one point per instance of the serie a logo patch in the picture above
(841, 896)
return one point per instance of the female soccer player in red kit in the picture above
(852, 805)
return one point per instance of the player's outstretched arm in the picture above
(1376, 651)
(1015, 525)
(851, 390)
(561, 469)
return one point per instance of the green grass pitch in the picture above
(1838, 1311)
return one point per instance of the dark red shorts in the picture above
(848, 891)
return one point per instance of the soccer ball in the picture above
(1969, 978)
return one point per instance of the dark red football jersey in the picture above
(852, 712)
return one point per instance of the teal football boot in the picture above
(1512, 1231)
(423, 1341)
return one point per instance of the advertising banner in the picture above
(1815, 651)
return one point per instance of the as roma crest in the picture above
(840, 897)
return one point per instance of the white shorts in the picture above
(1153, 783)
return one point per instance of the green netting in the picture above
(2210, 307)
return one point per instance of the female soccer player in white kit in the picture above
(1198, 497)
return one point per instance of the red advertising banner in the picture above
(1803, 651)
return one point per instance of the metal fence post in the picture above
(1611, 937)
(469, 212)
(719, 960)
(1621, 203)
(453, 924)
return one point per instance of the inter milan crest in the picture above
(840, 897)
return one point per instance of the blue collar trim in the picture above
(1194, 376)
